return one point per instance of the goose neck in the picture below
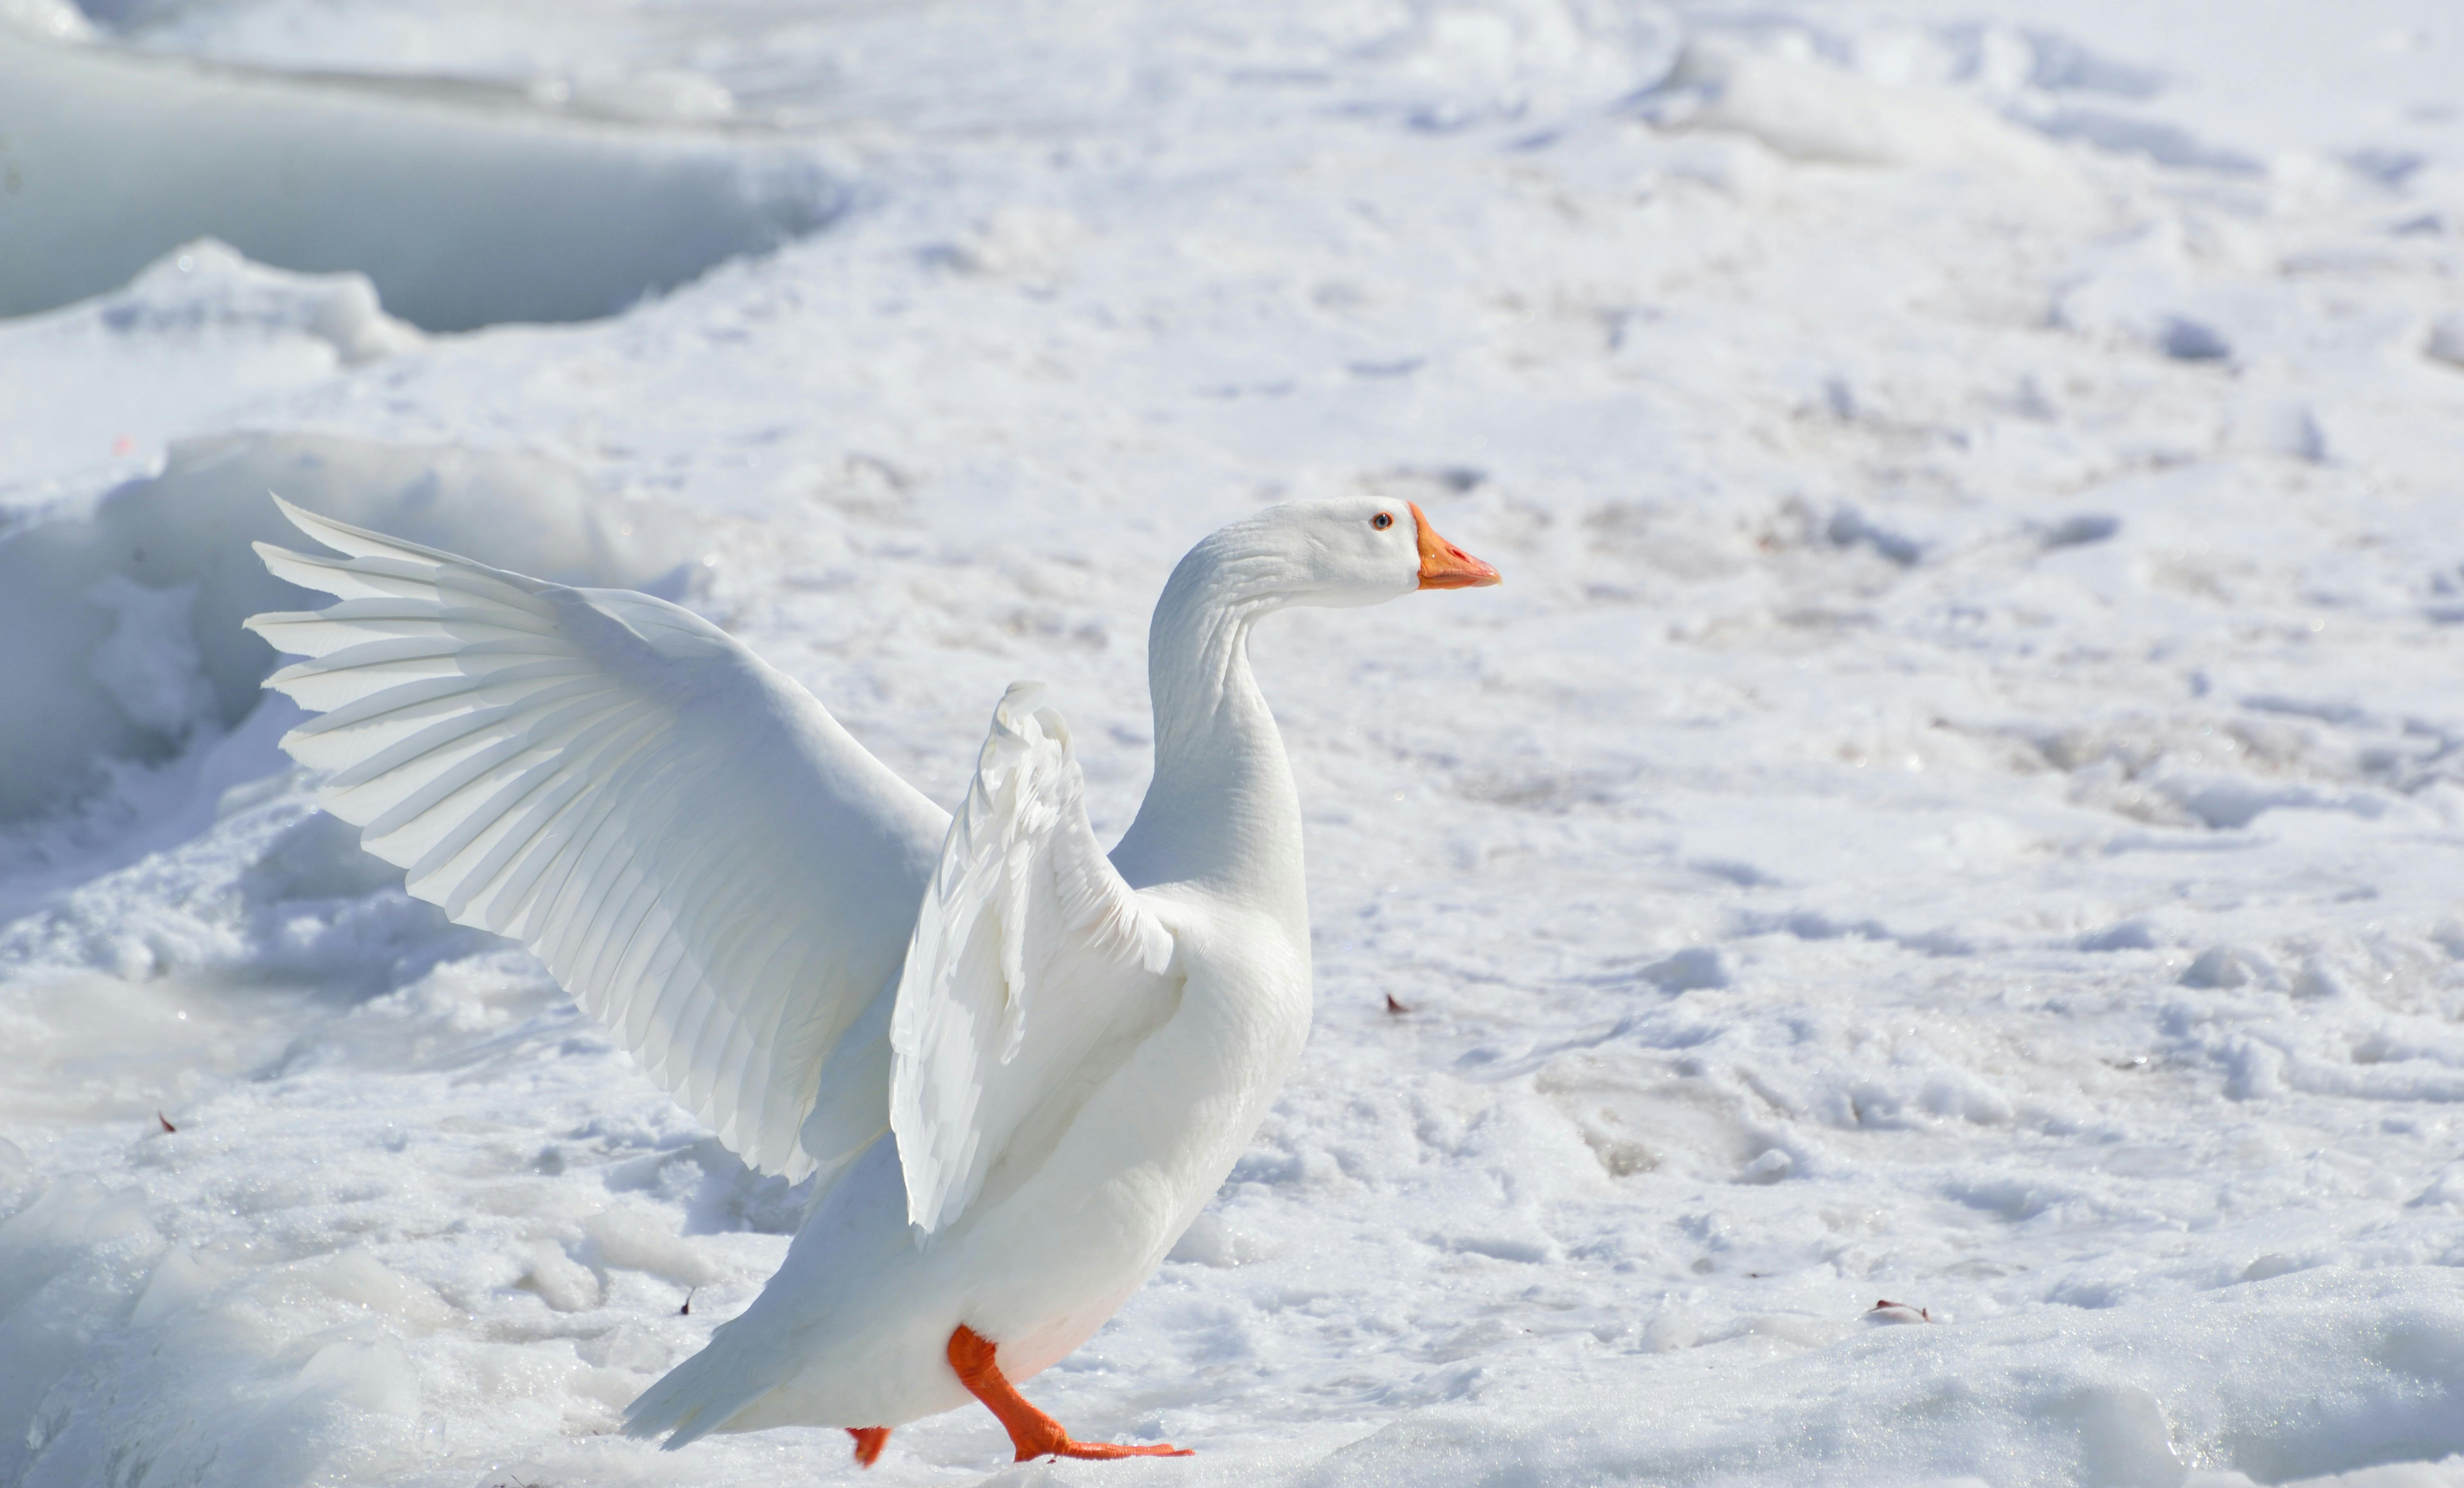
(1221, 812)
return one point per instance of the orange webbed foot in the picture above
(1100, 1450)
(1034, 1434)
(869, 1442)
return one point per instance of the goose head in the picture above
(1223, 809)
(1349, 551)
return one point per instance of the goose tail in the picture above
(695, 1398)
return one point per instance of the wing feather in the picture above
(1030, 955)
(700, 854)
(525, 899)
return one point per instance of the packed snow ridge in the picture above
(463, 211)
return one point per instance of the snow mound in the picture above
(459, 215)
(199, 336)
(205, 287)
(1806, 110)
(134, 611)
(204, 284)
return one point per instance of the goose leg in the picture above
(869, 1442)
(1033, 1432)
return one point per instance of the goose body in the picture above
(1018, 1065)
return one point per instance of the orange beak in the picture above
(1445, 566)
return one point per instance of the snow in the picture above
(1953, 819)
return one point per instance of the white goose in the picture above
(1020, 1067)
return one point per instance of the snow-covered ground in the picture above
(1959, 801)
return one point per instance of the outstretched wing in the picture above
(1034, 969)
(704, 858)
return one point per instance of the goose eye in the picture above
(1382, 521)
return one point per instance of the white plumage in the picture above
(1019, 1065)
(1022, 901)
